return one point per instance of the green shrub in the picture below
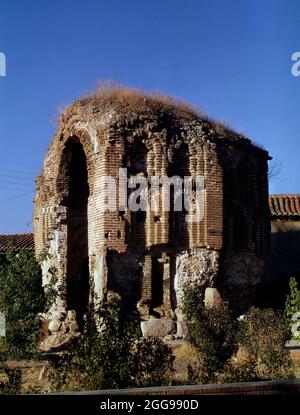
(231, 350)
(292, 306)
(152, 363)
(263, 335)
(191, 303)
(113, 357)
(22, 298)
(213, 335)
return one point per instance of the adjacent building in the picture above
(284, 261)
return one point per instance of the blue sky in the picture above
(230, 58)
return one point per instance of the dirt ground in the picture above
(295, 353)
(34, 382)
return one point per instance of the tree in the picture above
(22, 298)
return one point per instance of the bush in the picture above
(213, 335)
(292, 308)
(12, 385)
(230, 350)
(22, 298)
(191, 304)
(263, 335)
(152, 362)
(114, 357)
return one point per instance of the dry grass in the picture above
(295, 354)
(30, 371)
(184, 354)
(127, 105)
(132, 100)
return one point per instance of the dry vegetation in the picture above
(135, 101)
(184, 354)
(128, 107)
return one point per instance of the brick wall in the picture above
(235, 205)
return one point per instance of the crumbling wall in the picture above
(149, 257)
(198, 268)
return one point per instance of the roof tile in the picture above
(284, 206)
(20, 242)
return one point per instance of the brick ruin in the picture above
(147, 257)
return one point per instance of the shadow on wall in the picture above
(77, 225)
(283, 263)
(129, 272)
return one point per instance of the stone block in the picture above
(71, 316)
(158, 327)
(212, 297)
(181, 329)
(54, 325)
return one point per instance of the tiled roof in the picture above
(284, 206)
(20, 242)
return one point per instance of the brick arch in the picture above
(239, 229)
(244, 213)
(246, 171)
(72, 185)
(59, 168)
(136, 164)
(136, 156)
